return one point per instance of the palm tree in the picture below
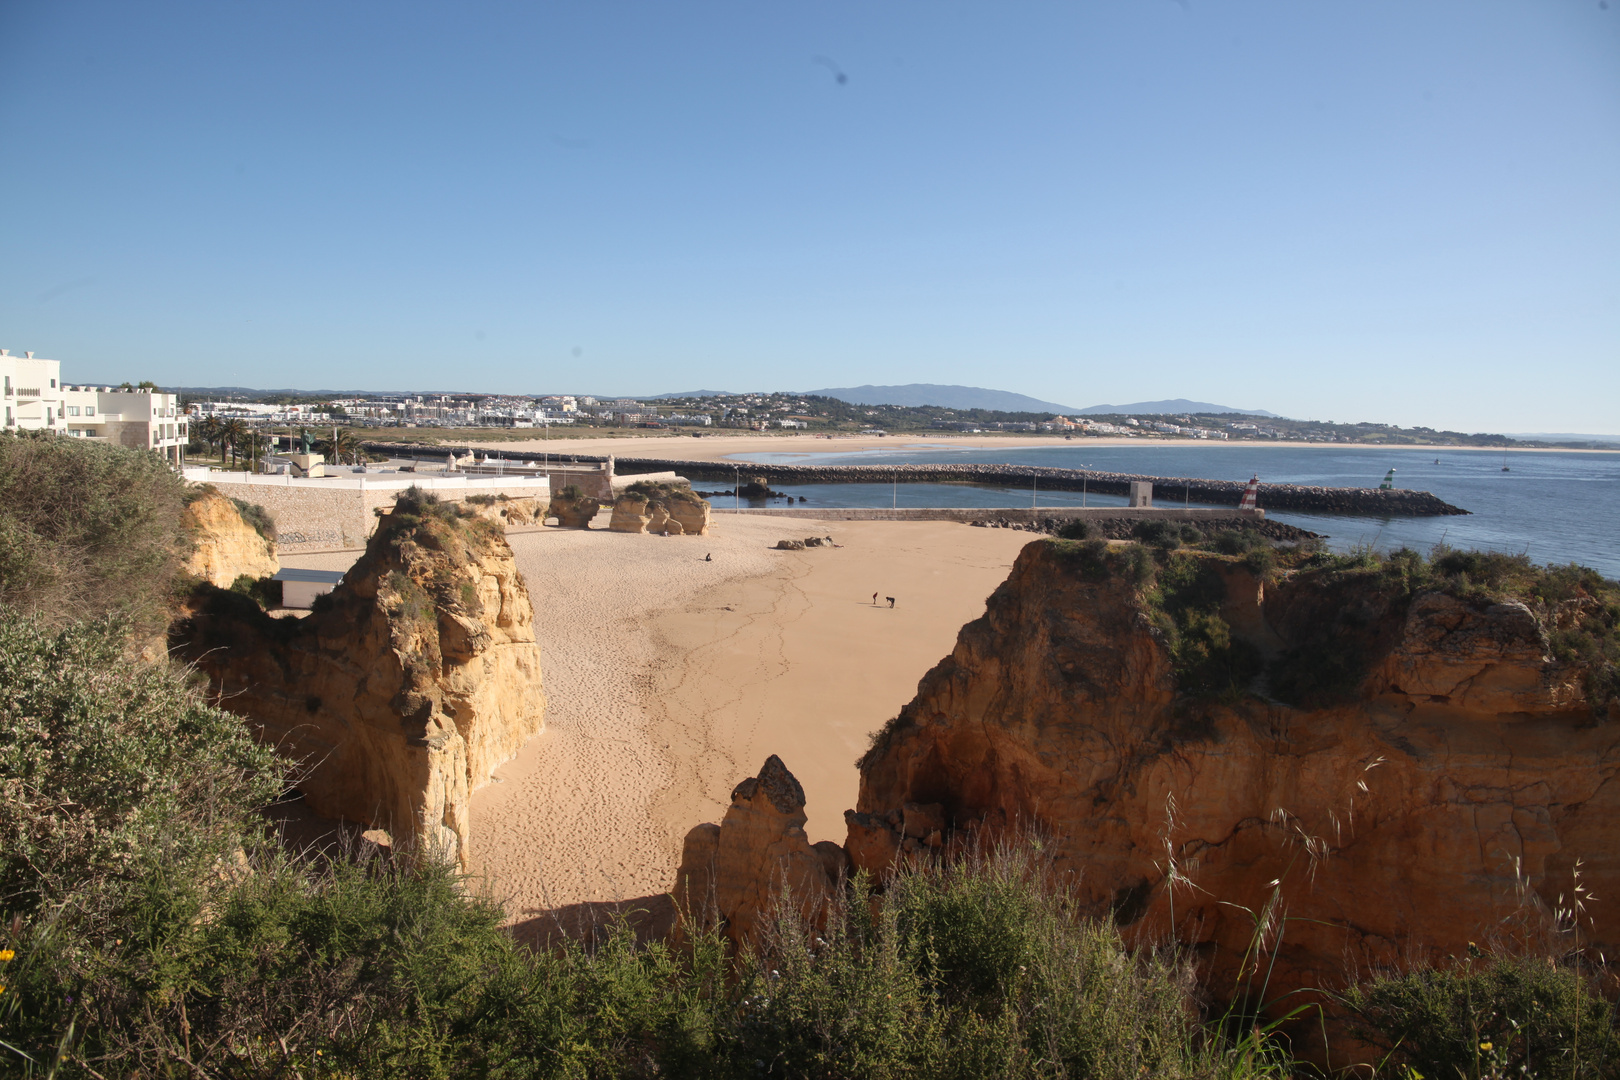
(207, 429)
(344, 444)
(234, 432)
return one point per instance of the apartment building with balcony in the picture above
(36, 400)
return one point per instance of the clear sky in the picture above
(1404, 211)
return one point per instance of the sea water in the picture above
(1554, 506)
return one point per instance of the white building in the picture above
(36, 400)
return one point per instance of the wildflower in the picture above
(6, 954)
(1485, 1046)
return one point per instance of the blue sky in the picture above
(1404, 211)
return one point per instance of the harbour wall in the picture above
(1374, 502)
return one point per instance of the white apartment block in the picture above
(35, 400)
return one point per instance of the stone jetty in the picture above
(1167, 490)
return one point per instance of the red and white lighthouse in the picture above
(1250, 495)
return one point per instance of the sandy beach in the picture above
(669, 679)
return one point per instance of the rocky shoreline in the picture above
(1125, 528)
(1304, 497)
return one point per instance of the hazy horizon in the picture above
(1385, 212)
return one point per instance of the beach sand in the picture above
(669, 679)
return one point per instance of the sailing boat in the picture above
(1504, 462)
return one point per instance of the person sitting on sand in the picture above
(709, 557)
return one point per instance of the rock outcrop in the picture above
(738, 871)
(630, 513)
(509, 512)
(225, 544)
(1435, 756)
(691, 514)
(664, 509)
(573, 510)
(404, 689)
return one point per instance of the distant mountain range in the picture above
(1173, 405)
(1563, 436)
(977, 397)
(946, 397)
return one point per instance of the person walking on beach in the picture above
(874, 599)
(890, 599)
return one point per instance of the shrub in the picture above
(266, 592)
(1491, 1015)
(87, 529)
(970, 969)
(1185, 605)
(1238, 541)
(1075, 529)
(258, 517)
(1158, 533)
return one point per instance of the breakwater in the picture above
(1166, 489)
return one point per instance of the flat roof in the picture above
(325, 577)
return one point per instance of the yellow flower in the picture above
(6, 954)
(1484, 1046)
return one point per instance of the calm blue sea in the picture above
(1555, 507)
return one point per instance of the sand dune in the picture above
(669, 679)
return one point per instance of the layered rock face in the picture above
(630, 514)
(667, 513)
(225, 545)
(574, 511)
(738, 871)
(403, 692)
(1440, 756)
(508, 512)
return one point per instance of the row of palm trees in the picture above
(242, 440)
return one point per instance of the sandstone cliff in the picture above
(402, 691)
(225, 545)
(1388, 749)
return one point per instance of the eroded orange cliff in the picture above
(1437, 758)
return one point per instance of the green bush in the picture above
(87, 529)
(1158, 533)
(1491, 1016)
(258, 517)
(266, 592)
(1075, 529)
(972, 969)
(124, 809)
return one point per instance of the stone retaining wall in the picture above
(340, 513)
